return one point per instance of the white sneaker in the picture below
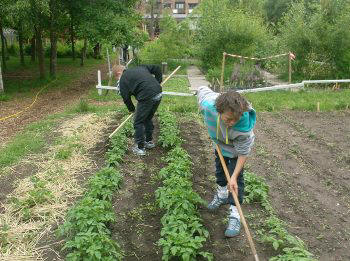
(149, 145)
(137, 151)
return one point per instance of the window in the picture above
(180, 7)
(167, 5)
(191, 6)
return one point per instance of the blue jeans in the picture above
(221, 177)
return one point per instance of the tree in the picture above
(4, 12)
(104, 21)
(222, 28)
(39, 10)
(1, 82)
(276, 9)
(22, 23)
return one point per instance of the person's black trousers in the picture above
(221, 178)
(143, 124)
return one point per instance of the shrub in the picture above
(224, 29)
(172, 43)
(13, 49)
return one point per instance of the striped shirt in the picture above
(233, 141)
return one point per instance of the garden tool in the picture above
(251, 243)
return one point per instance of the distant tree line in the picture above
(92, 22)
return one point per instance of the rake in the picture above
(250, 240)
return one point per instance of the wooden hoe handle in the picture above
(251, 243)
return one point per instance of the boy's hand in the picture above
(233, 185)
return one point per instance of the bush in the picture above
(320, 42)
(224, 29)
(13, 50)
(172, 43)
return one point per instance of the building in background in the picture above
(152, 11)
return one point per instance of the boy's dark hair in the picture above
(231, 101)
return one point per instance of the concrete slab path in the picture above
(196, 78)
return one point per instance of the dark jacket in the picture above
(138, 81)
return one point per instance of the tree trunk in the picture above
(83, 53)
(53, 53)
(151, 31)
(97, 51)
(7, 56)
(33, 49)
(53, 38)
(20, 42)
(1, 82)
(3, 56)
(40, 50)
(72, 38)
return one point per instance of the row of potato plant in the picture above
(274, 231)
(182, 233)
(86, 226)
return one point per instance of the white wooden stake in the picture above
(109, 65)
(99, 82)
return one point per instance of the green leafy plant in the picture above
(182, 233)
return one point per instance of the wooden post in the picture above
(109, 65)
(222, 71)
(289, 68)
(318, 106)
(164, 67)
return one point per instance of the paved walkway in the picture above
(196, 78)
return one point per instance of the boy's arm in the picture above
(156, 71)
(124, 92)
(239, 166)
(243, 145)
(204, 93)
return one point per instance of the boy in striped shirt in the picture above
(230, 120)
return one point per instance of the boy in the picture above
(230, 120)
(139, 81)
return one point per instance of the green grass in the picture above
(177, 84)
(4, 97)
(31, 140)
(305, 100)
(67, 70)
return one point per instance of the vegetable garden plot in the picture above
(309, 185)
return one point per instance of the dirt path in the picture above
(138, 217)
(50, 102)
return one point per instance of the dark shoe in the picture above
(217, 202)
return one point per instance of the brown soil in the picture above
(309, 188)
(304, 158)
(138, 226)
(309, 184)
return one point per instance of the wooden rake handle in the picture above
(251, 243)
